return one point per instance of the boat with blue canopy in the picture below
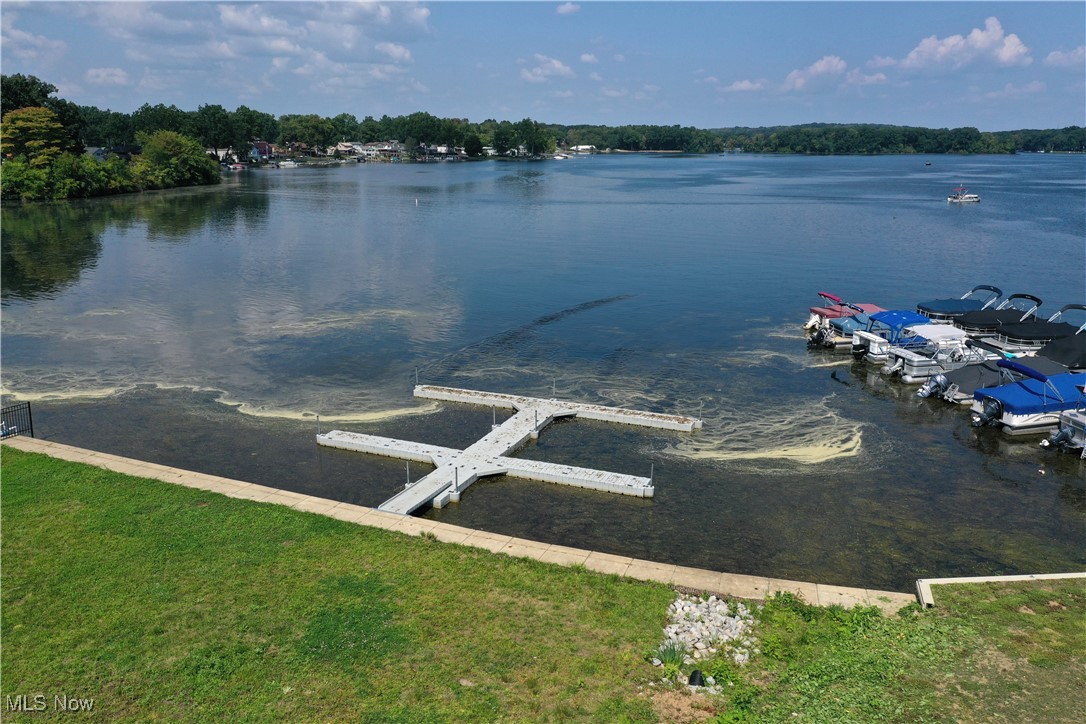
(957, 386)
(1030, 404)
(884, 330)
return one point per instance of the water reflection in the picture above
(45, 247)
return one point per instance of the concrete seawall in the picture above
(725, 584)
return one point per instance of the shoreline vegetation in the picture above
(135, 599)
(45, 141)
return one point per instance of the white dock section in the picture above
(580, 409)
(457, 469)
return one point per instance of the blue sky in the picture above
(992, 65)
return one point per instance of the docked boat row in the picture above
(1018, 371)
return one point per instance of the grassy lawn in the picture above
(162, 602)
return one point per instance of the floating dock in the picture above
(457, 469)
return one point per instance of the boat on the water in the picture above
(1015, 308)
(1035, 333)
(924, 350)
(961, 196)
(945, 311)
(1031, 404)
(957, 386)
(883, 331)
(834, 307)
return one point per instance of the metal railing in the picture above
(16, 420)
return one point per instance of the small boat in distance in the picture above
(961, 197)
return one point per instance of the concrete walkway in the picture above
(726, 584)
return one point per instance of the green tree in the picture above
(250, 125)
(504, 138)
(171, 159)
(369, 130)
(345, 127)
(215, 129)
(23, 91)
(473, 145)
(107, 128)
(34, 133)
(148, 119)
(312, 130)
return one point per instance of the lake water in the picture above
(208, 328)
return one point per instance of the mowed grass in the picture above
(162, 602)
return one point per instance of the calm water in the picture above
(207, 329)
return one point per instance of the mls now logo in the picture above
(40, 702)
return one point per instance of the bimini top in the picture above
(897, 318)
(837, 308)
(1040, 330)
(1069, 351)
(934, 332)
(1037, 392)
(979, 297)
(1016, 308)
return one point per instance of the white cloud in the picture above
(1072, 59)
(596, 77)
(614, 92)
(588, 58)
(744, 86)
(395, 51)
(855, 77)
(1011, 91)
(881, 61)
(562, 94)
(27, 46)
(106, 76)
(828, 65)
(568, 8)
(546, 69)
(956, 51)
(251, 19)
(619, 58)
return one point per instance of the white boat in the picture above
(1034, 403)
(884, 330)
(925, 350)
(961, 197)
(287, 163)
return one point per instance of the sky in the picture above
(995, 66)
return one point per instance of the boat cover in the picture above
(848, 325)
(1031, 396)
(989, 319)
(955, 307)
(987, 374)
(1036, 331)
(1069, 351)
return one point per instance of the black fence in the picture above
(16, 420)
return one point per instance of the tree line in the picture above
(44, 138)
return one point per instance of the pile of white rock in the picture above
(702, 627)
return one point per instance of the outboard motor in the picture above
(859, 351)
(891, 369)
(1060, 439)
(935, 386)
(991, 411)
(818, 339)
